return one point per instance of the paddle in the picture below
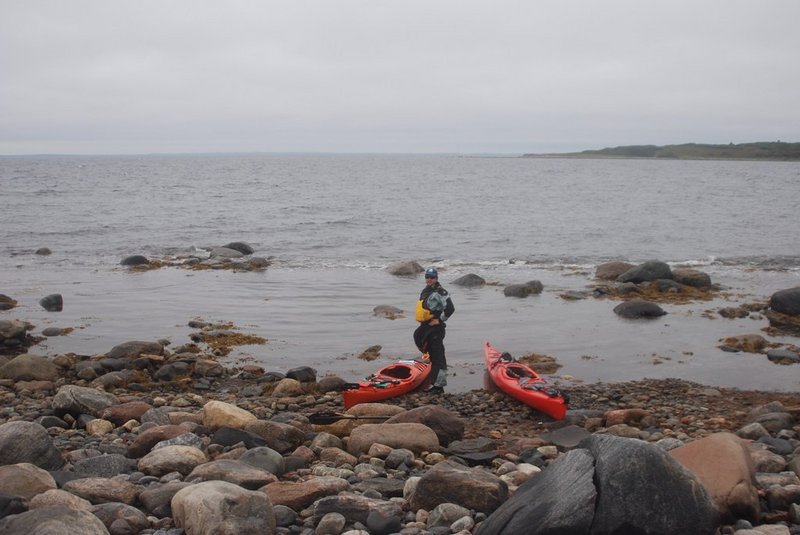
(325, 418)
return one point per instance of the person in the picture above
(434, 308)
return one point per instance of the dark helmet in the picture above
(431, 273)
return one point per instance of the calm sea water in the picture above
(332, 223)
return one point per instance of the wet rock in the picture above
(28, 442)
(611, 270)
(134, 260)
(14, 337)
(786, 301)
(405, 268)
(43, 251)
(303, 374)
(470, 280)
(388, 311)
(523, 290)
(780, 356)
(451, 482)
(52, 303)
(225, 252)
(648, 271)
(216, 507)
(27, 367)
(567, 437)
(53, 521)
(240, 246)
(6, 303)
(638, 308)
(52, 331)
(134, 349)
(691, 277)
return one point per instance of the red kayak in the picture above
(390, 381)
(522, 383)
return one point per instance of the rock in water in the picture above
(649, 271)
(786, 301)
(135, 260)
(52, 303)
(638, 308)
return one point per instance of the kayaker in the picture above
(434, 308)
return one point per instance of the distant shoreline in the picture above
(758, 151)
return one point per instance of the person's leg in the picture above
(438, 361)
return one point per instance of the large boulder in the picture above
(561, 499)
(452, 482)
(27, 367)
(28, 442)
(638, 308)
(215, 507)
(648, 271)
(786, 301)
(608, 485)
(723, 465)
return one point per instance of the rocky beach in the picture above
(155, 438)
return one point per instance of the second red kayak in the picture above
(522, 383)
(390, 381)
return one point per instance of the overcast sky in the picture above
(99, 77)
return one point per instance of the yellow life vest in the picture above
(422, 314)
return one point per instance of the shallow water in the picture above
(333, 223)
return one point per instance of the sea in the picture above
(331, 224)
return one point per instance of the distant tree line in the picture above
(764, 150)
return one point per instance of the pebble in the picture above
(655, 411)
